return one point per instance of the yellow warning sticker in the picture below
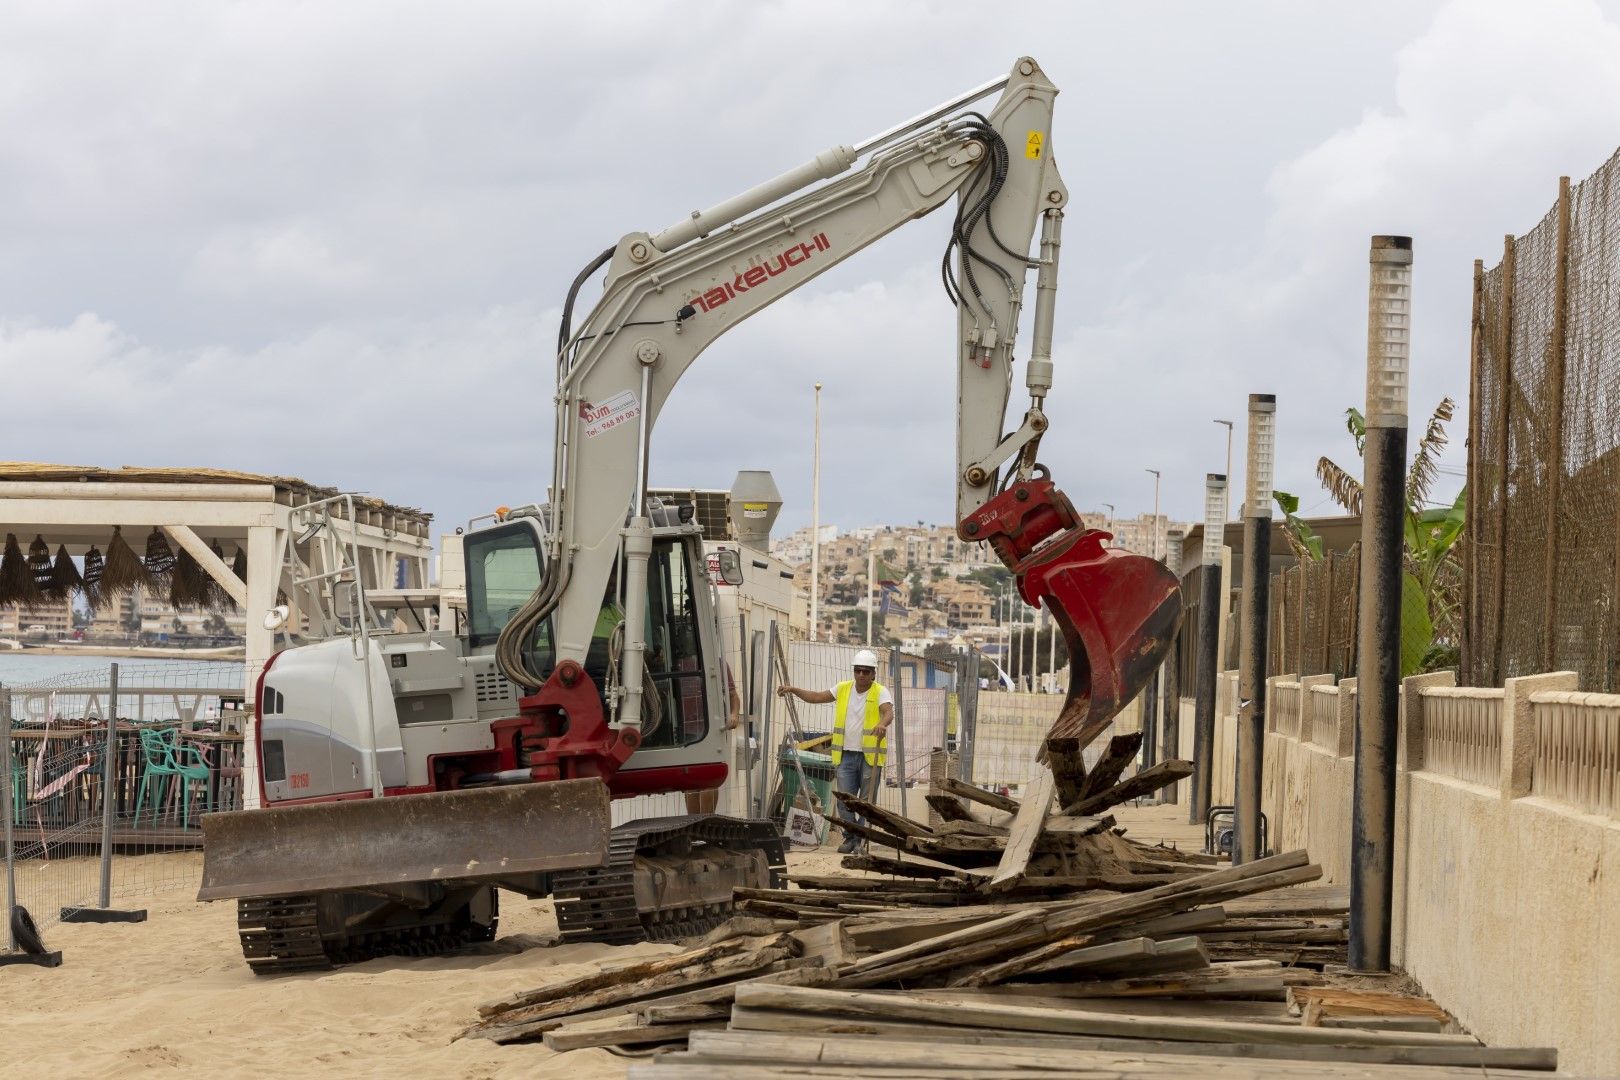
(1032, 145)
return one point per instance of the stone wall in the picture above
(1507, 904)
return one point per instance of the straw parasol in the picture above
(17, 585)
(123, 570)
(189, 584)
(94, 563)
(159, 558)
(65, 579)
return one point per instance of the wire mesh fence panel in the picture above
(925, 705)
(1543, 586)
(176, 755)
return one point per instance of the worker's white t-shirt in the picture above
(854, 719)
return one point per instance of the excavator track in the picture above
(599, 904)
(281, 935)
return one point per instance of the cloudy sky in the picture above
(332, 240)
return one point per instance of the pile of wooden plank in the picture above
(1032, 931)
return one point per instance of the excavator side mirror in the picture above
(730, 563)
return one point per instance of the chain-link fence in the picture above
(87, 827)
(1543, 561)
(1314, 616)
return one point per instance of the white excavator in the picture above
(406, 777)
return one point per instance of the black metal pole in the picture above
(1372, 851)
(1150, 720)
(1170, 729)
(1251, 703)
(1170, 676)
(1211, 607)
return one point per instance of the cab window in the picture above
(503, 570)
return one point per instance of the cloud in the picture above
(333, 242)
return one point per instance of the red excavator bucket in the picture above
(1119, 612)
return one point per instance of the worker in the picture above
(707, 800)
(861, 721)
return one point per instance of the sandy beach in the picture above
(173, 995)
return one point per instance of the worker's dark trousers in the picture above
(856, 777)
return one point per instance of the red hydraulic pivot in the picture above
(561, 732)
(1119, 611)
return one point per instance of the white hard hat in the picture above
(865, 658)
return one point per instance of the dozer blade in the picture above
(1119, 613)
(450, 836)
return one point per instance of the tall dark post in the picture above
(1251, 703)
(1211, 607)
(1383, 504)
(1150, 719)
(1170, 676)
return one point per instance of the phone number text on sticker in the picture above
(606, 415)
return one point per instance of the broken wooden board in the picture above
(1026, 829)
(888, 820)
(1318, 1004)
(1063, 757)
(579, 1036)
(1143, 783)
(534, 1018)
(963, 790)
(878, 863)
(863, 1034)
(987, 1053)
(1112, 765)
(948, 807)
(1073, 1021)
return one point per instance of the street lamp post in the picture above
(1111, 541)
(1156, 478)
(1251, 719)
(815, 520)
(1228, 424)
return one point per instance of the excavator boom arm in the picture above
(668, 295)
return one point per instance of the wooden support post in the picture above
(1505, 458)
(1555, 452)
(1476, 345)
(211, 563)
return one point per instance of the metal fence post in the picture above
(762, 790)
(967, 712)
(109, 768)
(1372, 846)
(103, 912)
(899, 726)
(6, 804)
(1555, 432)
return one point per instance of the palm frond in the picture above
(1356, 425)
(1342, 487)
(1425, 463)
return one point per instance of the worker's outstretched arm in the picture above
(814, 697)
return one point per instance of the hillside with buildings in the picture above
(920, 585)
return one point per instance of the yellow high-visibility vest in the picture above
(875, 748)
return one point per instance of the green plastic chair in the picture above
(19, 792)
(165, 756)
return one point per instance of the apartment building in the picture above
(49, 621)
